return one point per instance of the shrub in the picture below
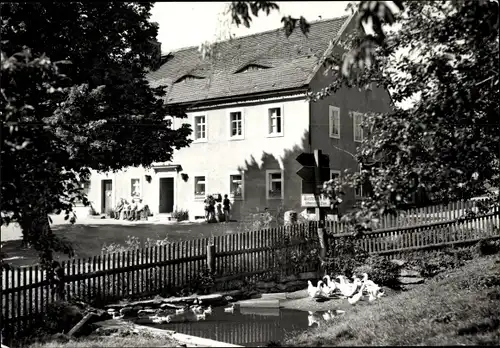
(345, 256)
(487, 247)
(181, 215)
(381, 270)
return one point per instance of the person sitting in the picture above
(119, 208)
(139, 209)
(126, 211)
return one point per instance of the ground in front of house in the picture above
(459, 307)
(89, 235)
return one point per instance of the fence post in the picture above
(211, 258)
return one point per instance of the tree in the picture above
(75, 97)
(448, 143)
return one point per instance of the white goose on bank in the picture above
(229, 309)
(332, 285)
(356, 297)
(348, 289)
(315, 291)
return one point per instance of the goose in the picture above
(348, 289)
(196, 309)
(229, 309)
(208, 310)
(157, 320)
(180, 311)
(332, 286)
(369, 283)
(324, 290)
(312, 290)
(327, 316)
(355, 298)
(117, 315)
(313, 319)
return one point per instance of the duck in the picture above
(314, 291)
(356, 297)
(348, 289)
(208, 310)
(196, 309)
(180, 311)
(369, 283)
(331, 285)
(313, 319)
(229, 309)
(327, 316)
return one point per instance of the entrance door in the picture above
(166, 195)
(106, 195)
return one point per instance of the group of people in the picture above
(131, 211)
(213, 206)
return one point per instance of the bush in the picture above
(382, 271)
(181, 215)
(487, 247)
(345, 256)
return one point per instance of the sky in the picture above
(184, 24)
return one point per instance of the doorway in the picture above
(106, 195)
(166, 195)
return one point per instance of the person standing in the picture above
(226, 204)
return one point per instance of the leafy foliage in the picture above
(446, 146)
(345, 256)
(381, 270)
(75, 97)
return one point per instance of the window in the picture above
(200, 128)
(335, 174)
(135, 187)
(236, 125)
(274, 184)
(199, 187)
(169, 120)
(334, 122)
(357, 119)
(236, 186)
(275, 121)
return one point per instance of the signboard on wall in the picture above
(308, 200)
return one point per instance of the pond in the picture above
(247, 326)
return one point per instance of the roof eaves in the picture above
(331, 46)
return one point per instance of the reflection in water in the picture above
(248, 326)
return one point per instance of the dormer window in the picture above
(187, 78)
(251, 67)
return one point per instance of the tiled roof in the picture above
(291, 61)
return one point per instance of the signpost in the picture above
(315, 171)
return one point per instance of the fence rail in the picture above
(26, 292)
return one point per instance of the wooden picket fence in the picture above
(165, 269)
(421, 216)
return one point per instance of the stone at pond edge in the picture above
(281, 287)
(400, 263)
(409, 273)
(289, 278)
(308, 275)
(265, 285)
(295, 285)
(408, 280)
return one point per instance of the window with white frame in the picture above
(200, 127)
(357, 120)
(236, 186)
(236, 124)
(275, 121)
(135, 187)
(169, 120)
(334, 174)
(199, 187)
(274, 184)
(334, 122)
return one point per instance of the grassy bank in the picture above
(459, 307)
(137, 340)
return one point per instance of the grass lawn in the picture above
(140, 340)
(89, 236)
(461, 307)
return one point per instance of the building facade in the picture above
(250, 119)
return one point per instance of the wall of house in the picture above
(347, 99)
(218, 157)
